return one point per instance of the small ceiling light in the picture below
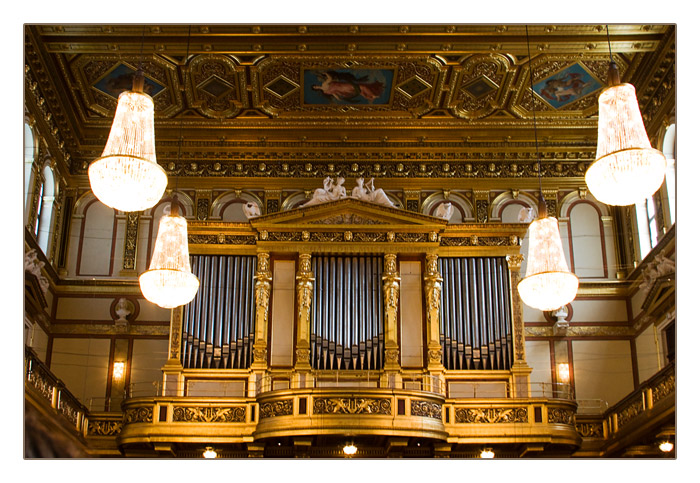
(666, 446)
(118, 370)
(487, 454)
(350, 449)
(627, 169)
(169, 281)
(209, 453)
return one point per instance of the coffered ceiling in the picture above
(338, 93)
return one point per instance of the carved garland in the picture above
(276, 408)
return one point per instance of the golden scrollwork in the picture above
(138, 415)
(276, 408)
(190, 414)
(590, 430)
(98, 427)
(352, 406)
(560, 416)
(491, 415)
(426, 409)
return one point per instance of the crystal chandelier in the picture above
(169, 281)
(627, 169)
(127, 176)
(548, 283)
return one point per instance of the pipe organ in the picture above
(475, 313)
(347, 327)
(219, 324)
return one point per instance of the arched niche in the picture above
(463, 211)
(587, 236)
(229, 206)
(295, 200)
(96, 240)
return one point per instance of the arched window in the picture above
(29, 154)
(669, 149)
(647, 210)
(45, 209)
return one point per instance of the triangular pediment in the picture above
(348, 212)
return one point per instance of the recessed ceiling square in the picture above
(121, 78)
(480, 87)
(215, 86)
(281, 86)
(413, 86)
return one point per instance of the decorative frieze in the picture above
(590, 430)
(491, 415)
(276, 408)
(426, 409)
(352, 405)
(103, 427)
(193, 414)
(664, 388)
(138, 415)
(560, 416)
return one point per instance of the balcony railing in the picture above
(425, 383)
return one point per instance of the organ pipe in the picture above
(219, 324)
(475, 321)
(346, 332)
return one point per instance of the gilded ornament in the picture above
(491, 415)
(426, 409)
(190, 414)
(352, 406)
(276, 408)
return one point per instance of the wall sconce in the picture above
(487, 454)
(118, 370)
(349, 449)
(563, 372)
(209, 453)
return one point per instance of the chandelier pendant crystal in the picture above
(627, 169)
(127, 176)
(169, 281)
(548, 283)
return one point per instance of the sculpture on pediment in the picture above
(251, 210)
(330, 192)
(444, 211)
(333, 191)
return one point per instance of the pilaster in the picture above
(520, 370)
(391, 287)
(263, 286)
(304, 289)
(432, 287)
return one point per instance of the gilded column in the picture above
(305, 281)
(391, 281)
(432, 286)
(263, 279)
(520, 370)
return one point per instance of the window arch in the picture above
(45, 209)
(647, 211)
(669, 150)
(29, 155)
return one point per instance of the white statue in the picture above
(33, 265)
(526, 215)
(444, 211)
(360, 192)
(658, 267)
(377, 195)
(122, 309)
(251, 210)
(330, 192)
